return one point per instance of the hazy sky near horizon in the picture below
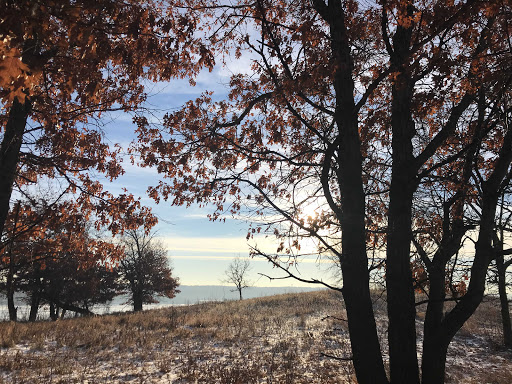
(200, 250)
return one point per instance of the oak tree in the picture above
(357, 109)
(64, 64)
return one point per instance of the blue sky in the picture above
(200, 250)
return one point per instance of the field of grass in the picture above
(288, 338)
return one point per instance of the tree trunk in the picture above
(240, 293)
(366, 354)
(34, 304)
(9, 154)
(403, 361)
(505, 311)
(10, 288)
(399, 282)
(35, 295)
(434, 353)
(13, 311)
(434, 360)
(137, 302)
(53, 313)
(10, 283)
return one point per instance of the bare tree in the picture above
(237, 274)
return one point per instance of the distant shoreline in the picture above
(189, 294)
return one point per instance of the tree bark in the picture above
(10, 152)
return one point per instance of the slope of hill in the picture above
(290, 338)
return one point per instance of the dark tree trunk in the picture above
(34, 304)
(504, 306)
(403, 359)
(399, 283)
(240, 293)
(35, 295)
(434, 352)
(9, 154)
(10, 282)
(366, 354)
(435, 339)
(13, 311)
(10, 288)
(137, 302)
(434, 360)
(53, 312)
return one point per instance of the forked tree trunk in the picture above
(438, 338)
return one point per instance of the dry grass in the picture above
(278, 339)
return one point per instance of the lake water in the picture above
(190, 294)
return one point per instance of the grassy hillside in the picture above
(292, 338)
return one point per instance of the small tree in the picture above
(237, 274)
(145, 271)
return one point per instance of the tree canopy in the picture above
(65, 63)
